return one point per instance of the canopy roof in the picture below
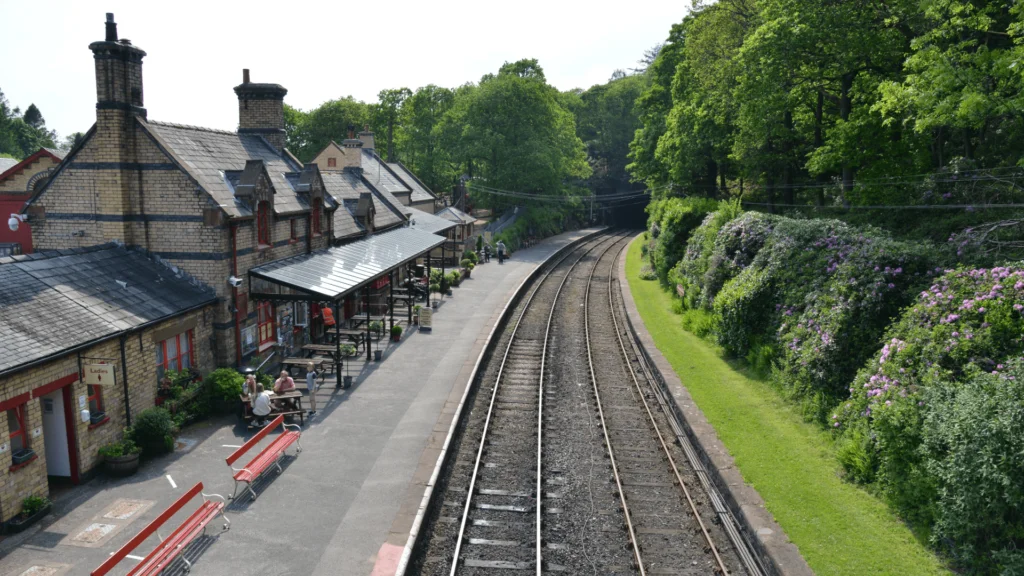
(430, 223)
(333, 273)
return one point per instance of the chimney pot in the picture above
(351, 131)
(111, 27)
(245, 75)
(125, 41)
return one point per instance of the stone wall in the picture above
(140, 358)
(18, 182)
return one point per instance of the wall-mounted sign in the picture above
(99, 374)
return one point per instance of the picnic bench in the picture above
(293, 395)
(269, 456)
(171, 547)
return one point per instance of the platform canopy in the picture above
(332, 274)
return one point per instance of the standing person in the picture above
(260, 405)
(501, 252)
(311, 386)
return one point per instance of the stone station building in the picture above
(121, 314)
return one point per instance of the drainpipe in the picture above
(235, 293)
(124, 377)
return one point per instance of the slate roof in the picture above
(455, 215)
(377, 172)
(347, 185)
(420, 192)
(53, 302)
(58, 153)
(335, 272)
(430, 223)
(7, 163)
(207, 154)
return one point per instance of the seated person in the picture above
(285, 384)
(260, 405)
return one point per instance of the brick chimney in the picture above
(118, 77)
(118, 102)
(261, 110)
(366, 137)
(353, 158)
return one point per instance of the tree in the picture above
(385, 114)
(419, 138)
(310, 132)
(606, 119)
(72, 140)
(33, 117)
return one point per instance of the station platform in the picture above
(345, 505)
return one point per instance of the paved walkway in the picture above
(347, 499)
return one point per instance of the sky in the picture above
(319, 51)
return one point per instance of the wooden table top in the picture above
(274, 396)
(298, 361)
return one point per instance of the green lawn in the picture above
(839, 528)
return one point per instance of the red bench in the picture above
(171, 547)
(269, 456)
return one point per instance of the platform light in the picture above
(15, 220)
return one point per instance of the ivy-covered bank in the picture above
(912, 362)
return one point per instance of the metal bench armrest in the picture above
(296, 426)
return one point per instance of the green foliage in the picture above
(973, 439)
(454, 278)
(670, 222)
(466, 263)
(377, 327)
(23, 134)
(125, 447)
(310, 132)
(153, 429)
(479, 244)
(225, 384)
(32, 504)
(470, 254)
(435, 287)
(396, 330)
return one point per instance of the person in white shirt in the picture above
(311, 377)
(260, 406)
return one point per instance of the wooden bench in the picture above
(269, 456)
(170, 548)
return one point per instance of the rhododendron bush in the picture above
(913, 364)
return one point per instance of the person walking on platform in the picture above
(501, 252)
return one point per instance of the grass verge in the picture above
(838, 527)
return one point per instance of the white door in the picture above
(55, 435)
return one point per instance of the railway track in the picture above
(567, 462)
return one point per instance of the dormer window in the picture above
(318, 205)
(332, 162)
(263, 224)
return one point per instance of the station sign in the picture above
(99, 374)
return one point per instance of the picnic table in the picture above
(360, 320)
(292, 395)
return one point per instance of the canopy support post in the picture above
(428, 277)
(337, 343)
(391, 297)
(366, 295)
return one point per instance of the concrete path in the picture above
(344, 505)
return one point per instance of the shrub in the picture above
(647, 273)
(125, 447)
(467, 263)
(671, 221)
(479, 243)
(225, 384)
(32, 504)
(153, 431)
(396, 330)
(973, 440)
(471, 255)
(377, 327)
(435, 287)
(454, 278)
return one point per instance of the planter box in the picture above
(20, 523)
(121, 465)
(23, 455)
(97, 417)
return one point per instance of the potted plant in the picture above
(32, 509)
(224, 386)
(396, 333)
(121, 458)
(377, 327)
(23, 455)
(416, 314)
(347, 351)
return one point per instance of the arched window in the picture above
(318, 205)
(263, 223)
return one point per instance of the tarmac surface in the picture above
(344, 506)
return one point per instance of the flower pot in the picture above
(121, 465)
(435, 304)
(448, 292)
(19, 523)
(396, 337)
(348, 381)
(377, 354)
(23, 455)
